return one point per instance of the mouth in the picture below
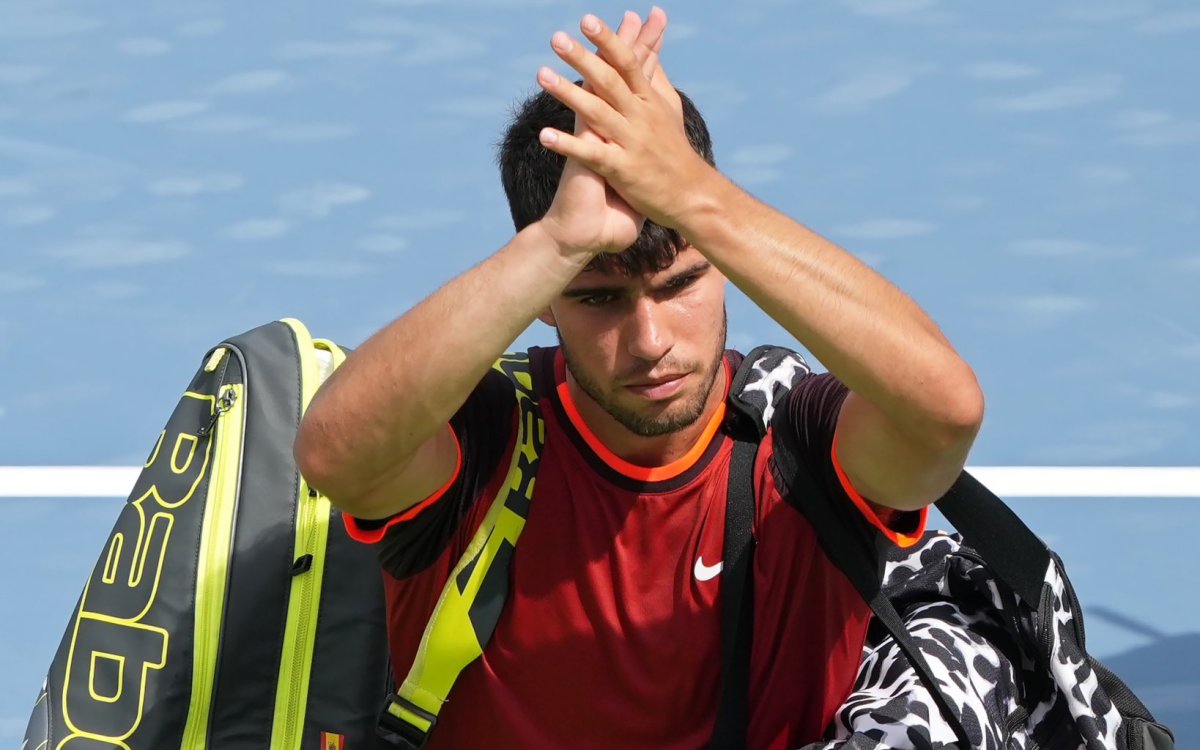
(658, 388)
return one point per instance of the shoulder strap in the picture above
(758, 387)
(737, 602)
(855, 555)
(1013, 553)
(469, 608)
(1020, 560)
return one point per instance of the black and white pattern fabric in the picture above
(1017, 674)
(763, 381)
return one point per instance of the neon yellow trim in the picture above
(191, 441)
(402, 713)
(157, 447)
(449, 643)
(312, 535)
(339, 355)
(215, 360)
(85, 617)
(114, 558)
(119, 661)
(154, 493)
(142, 546)
(212, 576)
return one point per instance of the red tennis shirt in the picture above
(610, 636)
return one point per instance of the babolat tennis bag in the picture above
(228, 609)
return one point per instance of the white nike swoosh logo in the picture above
(706, 572)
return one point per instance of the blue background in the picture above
(174, 173)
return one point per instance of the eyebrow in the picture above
(695, 269)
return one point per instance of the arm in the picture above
(375, 438)
(914, 406)
(904, 432)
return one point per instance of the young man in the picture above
(610, 634)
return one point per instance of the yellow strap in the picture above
(460, 626)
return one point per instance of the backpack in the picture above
(1012, 675)
(977, 638)
(229, 609)
(982, 646)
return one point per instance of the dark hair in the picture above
(530, 172)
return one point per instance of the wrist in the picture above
(569, 258)
(546, 232)
(711, 197)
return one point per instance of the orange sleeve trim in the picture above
(898, 538)
(633, 471)
(374, 534)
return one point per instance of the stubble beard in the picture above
(644, 425)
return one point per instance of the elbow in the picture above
(326, 464)
(314, 459)
(960, 412)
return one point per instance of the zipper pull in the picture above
(224, 404)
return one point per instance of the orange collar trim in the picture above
(633, 471)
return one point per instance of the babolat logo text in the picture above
(119, 640)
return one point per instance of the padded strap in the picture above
(1019, 559)
(852, 548)
(737, 602)
(1012, 551)
(882, 607)
(474, 595)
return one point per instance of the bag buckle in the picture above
(398, 730)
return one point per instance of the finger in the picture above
(616, 52)
(630, 29)
(591, 111)
(650, 35)
(655, 29)
(600, 76)
(657, 19)
(631, 26)
(649, 42)
(592, 154)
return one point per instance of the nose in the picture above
(648, 335)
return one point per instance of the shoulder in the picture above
(762, 382)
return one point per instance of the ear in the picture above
(547, 317)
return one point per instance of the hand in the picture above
(586, 214)
(634, 124)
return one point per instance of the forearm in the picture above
(869, 334)
(404, 384)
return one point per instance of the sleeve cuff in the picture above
(369, 532)
(902, 539)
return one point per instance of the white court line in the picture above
(1005, 481)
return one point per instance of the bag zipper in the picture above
(308, 570)
(216, 545)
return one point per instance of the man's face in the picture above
(646, 349)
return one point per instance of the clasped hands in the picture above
(629, 156)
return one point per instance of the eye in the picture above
(597, 300)
(682, 283)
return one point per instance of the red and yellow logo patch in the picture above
(331, 741)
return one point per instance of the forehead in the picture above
(686, 260)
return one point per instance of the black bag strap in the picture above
(737, 602)
(853, 550)
(1013, 552)
(1019, 559)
